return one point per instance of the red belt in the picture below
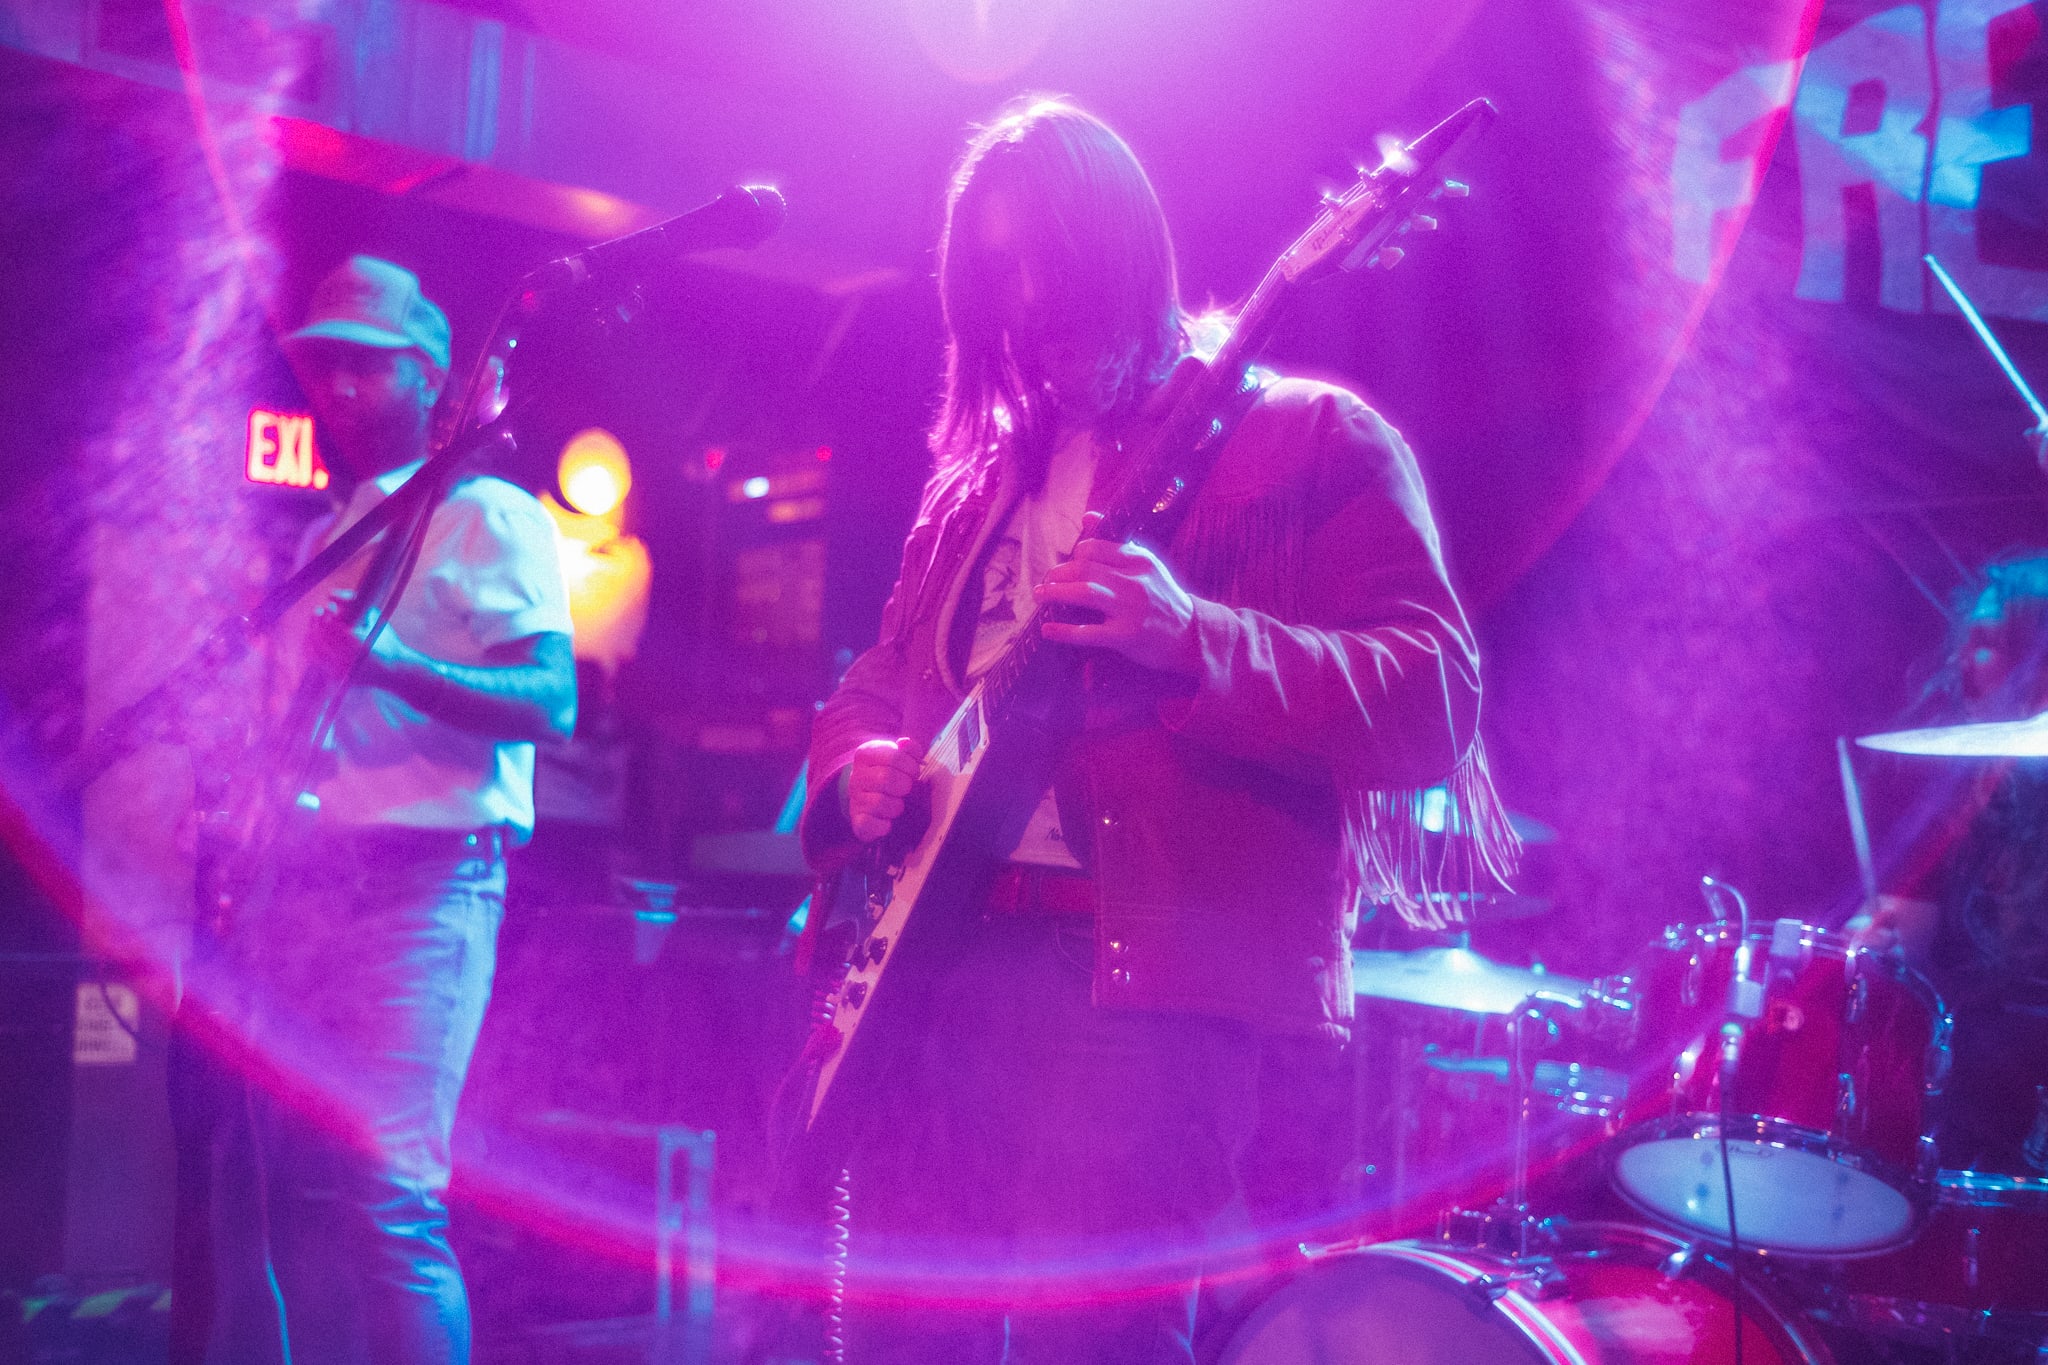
(1026, 889)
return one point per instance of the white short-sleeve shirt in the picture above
(488, 573)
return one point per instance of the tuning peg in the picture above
(1422, 222)
(1451, 189)
(1387, 257)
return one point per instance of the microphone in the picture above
(1731, 1056)
(1745, 996)
(744, 216)
(1745, 1005)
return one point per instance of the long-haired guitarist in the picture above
(356, 982)
(1265, 696)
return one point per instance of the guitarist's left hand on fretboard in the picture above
(1145, 614)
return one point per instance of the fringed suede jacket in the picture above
(1238, 819)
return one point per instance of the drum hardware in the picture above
(1506, 1238)
(1941, 1055)
(1680, 1261)
(1574, 1088)
(2034, 1151)
(1715, 892)
(1435, 1103)
(1512, 1223)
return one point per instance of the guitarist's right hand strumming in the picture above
(877, 785)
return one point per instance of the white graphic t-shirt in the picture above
(1040, 533)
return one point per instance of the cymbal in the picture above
(1984, 739)
(1452, 979)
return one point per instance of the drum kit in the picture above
(1735, 1160)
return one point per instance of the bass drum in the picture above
(1619, 1295)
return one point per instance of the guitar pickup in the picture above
(970, 737)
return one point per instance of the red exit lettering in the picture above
(281, 450)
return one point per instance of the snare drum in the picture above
(1828, 1136)
(1608, 1294)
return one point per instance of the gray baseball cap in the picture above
(372, 302)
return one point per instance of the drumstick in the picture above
(1983, 331)
(1859, 832)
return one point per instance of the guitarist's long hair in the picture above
(1092, 219)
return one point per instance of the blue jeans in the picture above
(1040, 1175)
(359, 991)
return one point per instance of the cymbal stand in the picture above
(1535, 1010)
(1510, 1228)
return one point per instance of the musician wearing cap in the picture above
(363, 974)
(1968, 901)
(1263, 698)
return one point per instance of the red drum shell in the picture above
(1984, 1249)
(1611, 1302)
(1829, 1108)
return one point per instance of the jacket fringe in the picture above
(1250, 552)
(1246, 553)
(1430, 881)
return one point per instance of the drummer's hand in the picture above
(1868, 935)
(1895, 924)
(877, 784)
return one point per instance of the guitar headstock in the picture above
(1356, 226)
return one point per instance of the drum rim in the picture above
(1964, 1188)
(1925, 1322)
(1829, 943)
(1756, 1130)
(1604, 1096)
(1582, 1090)
(1588, 1240)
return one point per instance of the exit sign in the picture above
(281, 450)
